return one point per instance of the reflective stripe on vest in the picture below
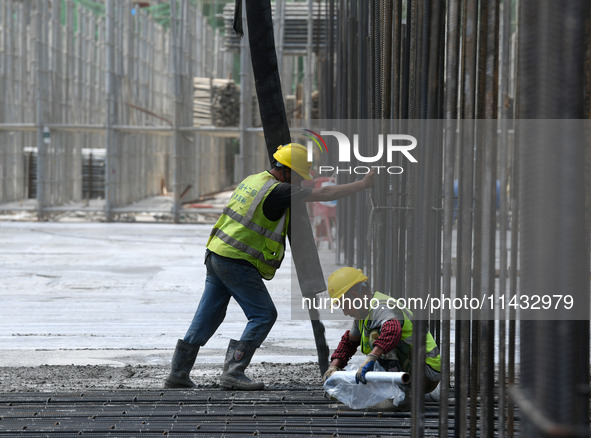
(245, 248)
(432, 356)
(273, 235)
(249, 235)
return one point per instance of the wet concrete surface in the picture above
(87, 304)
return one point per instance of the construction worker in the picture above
(383, 329)
(247, 245)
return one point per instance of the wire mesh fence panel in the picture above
(99, 75)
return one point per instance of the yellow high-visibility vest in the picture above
(404, 348)
(244, 232)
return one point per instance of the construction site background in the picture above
(146, 111)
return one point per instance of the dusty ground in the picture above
(49, 378)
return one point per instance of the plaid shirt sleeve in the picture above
(390, 334)
(345, 350)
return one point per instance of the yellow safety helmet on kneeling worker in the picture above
(294, 156)
(341, 280)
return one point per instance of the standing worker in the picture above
(384, 330)
(247, 245)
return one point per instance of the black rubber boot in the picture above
(238, 357)
(183, 360)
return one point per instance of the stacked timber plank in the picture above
(201, 101)
(215, 102)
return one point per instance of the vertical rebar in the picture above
(451, 113)
(513, 280)
(553, 254)
(423, 238)
(486, 208)
(280, 8)
(177, 62)
(360, 109)
(111, 169)
(503, 205)
(41, 90)
(330, 89)
(4, 76)
(465, 217)
(363, 101)
(308, 79)
(375, 61)
(377, 28)
(396, 59)
(5, 107)
(352, 49)
(25, 16)
(410, 97)
(402, 192)
(386, 79)
(241, 170)
(394, 184)
(342, 77)
(478, 361)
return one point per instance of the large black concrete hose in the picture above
(276, 130)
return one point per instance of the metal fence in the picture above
(110, 78)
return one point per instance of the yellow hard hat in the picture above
(341, 280)
(294, 156)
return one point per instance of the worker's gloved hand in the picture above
(330, 371)
(366, 366)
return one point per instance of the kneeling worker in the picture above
(384, 331)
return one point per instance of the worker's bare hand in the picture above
(368, 179)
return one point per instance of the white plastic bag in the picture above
(343, 387)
